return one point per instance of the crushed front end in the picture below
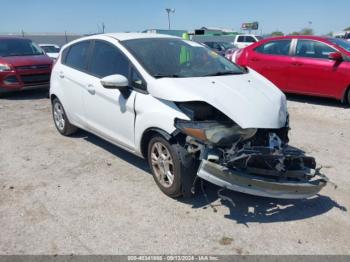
(256, 161)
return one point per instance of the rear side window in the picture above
(240, 39)
(279, 47)
(77, 55)
(250, 39)
(313, 49)
(108, 60)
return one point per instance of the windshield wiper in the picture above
(164, 75)
(223, 73)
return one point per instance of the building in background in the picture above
(47, 38)
(178, 33)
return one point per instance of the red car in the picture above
(23, 65)
(309, 65)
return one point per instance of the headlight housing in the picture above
(5, 67)
(214, 132)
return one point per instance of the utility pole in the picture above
(103, 28)
(169, 10)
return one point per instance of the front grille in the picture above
(32, 67)
(10, 80)
(35, 79)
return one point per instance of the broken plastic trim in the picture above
(259, 186)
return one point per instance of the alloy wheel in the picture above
(162, 164)
(59, 118)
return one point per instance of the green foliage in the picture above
(307, 31)
(277, 33)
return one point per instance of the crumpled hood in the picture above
(248, 99)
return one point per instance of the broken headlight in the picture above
(214, 132)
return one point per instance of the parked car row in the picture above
(186, 109)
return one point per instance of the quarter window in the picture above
(77, 55)
(108, 60)
(313, 49)
(279, 47)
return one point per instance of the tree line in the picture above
(304, 31)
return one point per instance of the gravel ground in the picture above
(82, 195)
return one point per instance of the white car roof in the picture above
(120, 37)
(49, 45)
(130, 36)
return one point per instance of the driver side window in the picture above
(108, 60)
(313, 49)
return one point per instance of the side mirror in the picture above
(115, 82)
(335, 56)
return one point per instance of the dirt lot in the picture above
(82, 195)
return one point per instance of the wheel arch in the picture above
(147, 136)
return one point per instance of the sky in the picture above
(86, 16)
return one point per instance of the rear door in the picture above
(272, 60)
(313, 73)
(72, 70)
(109, 112)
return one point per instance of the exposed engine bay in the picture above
(252, 160)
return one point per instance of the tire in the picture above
(62, 124)
(175, 159)
(347, 97)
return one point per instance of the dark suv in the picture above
(23, 65)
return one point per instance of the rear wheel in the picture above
(172, 167)
(60, 119)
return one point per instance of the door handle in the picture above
(91, 89)
(61, 74)
(255, 59)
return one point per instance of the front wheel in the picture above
(172, 167)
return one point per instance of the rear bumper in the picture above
(259, 186)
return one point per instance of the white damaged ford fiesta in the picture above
(190, 112)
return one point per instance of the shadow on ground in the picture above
(246, 208)
(115, 150)
(27, 94)
(321, 101)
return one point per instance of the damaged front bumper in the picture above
(243, 182)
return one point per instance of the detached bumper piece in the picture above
(265, 186)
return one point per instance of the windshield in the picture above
(227, 45)
(169, 57)
(341, 42)
(19, 47)
(50, 49)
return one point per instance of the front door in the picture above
(109, 112)
(313, 73)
